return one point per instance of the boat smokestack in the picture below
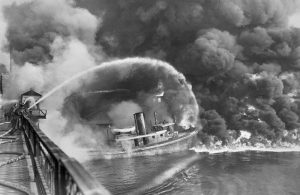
(140, 125)
(139, 121)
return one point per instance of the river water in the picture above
(248, 172)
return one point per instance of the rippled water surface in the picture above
(191, 173)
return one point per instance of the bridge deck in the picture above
(17, 177)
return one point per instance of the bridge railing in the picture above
(55, 172)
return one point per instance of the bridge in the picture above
(32, 164)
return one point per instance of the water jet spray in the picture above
(191, 109)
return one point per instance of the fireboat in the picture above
(164, 137)
(152, 139)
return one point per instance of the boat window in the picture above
(161, 135)
(153, 136)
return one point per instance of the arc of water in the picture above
(107, 91)
(102, 66)
(131, 60)
(5, 101)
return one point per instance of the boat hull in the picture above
(175, 145)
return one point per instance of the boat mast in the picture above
(155, 118)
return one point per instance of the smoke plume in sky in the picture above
(234, 55)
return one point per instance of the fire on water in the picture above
(243, 144)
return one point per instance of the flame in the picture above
(254, 77)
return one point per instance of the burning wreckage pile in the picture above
(242, 58)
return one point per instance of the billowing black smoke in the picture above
(241, 57)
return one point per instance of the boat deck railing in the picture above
(162, 132)
(55, 172)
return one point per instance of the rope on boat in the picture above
(15, 186)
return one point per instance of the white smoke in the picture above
(71, 55)
(121, 114)
(26, 77)
(244, 134)
(80, 22)
(4, 101)
(294, 18)
(4, 53)
(73, 59)
(72, 143)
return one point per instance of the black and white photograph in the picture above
(149, 97)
